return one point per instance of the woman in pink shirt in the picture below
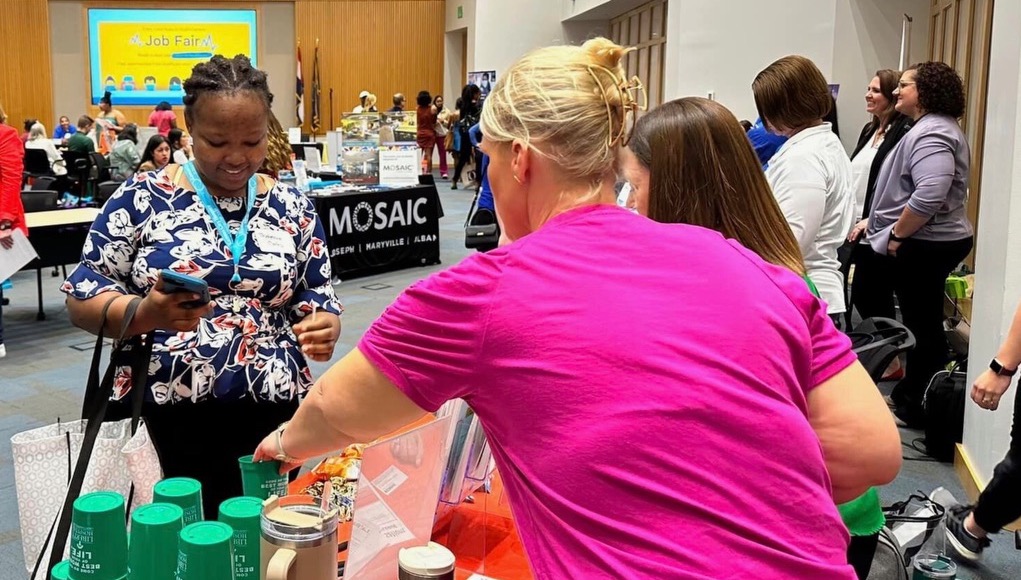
(660, 401)
(163, 118)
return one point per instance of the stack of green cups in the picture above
(152, 552)
(243, 514)
(262, 479)
(61, 571)
(205, 552)
(185, 493)
(99, 537)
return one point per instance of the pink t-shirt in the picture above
(643, 387)
(161, 120)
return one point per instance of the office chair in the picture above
(37, 164)
(40, 200)
(43, 182)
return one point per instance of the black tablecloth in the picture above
(381, 231)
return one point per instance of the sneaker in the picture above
(965, 544)
(889, 402)
(3, 350)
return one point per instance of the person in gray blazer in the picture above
(918, 231)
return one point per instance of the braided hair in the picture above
(226, 76)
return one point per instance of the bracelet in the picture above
(895, 238)
(282, 455)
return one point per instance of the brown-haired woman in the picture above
(918, 231)
(689, 161)
(810, 174)
(877, 140)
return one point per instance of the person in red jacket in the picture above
(12, 214)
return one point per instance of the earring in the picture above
(518, 179)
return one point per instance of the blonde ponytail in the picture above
(570, 104)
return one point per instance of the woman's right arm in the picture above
(859, 439)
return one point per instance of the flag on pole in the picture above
(316, 96)
(299, 93)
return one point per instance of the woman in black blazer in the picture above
(877, 139)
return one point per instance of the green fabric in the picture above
(80, 144)
(862, 516)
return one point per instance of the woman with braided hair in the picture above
(655, 395)
(222, 373)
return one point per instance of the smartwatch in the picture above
(895, 238)
(998, 368)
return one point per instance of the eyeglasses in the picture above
(903, 84)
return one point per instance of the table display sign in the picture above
(398, 164)
(380, 229)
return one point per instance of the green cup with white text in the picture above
(244, 515)
(262, 479)
(99, 537)
(61, 571)
(185, 493)
(205, 551)
(152, 550)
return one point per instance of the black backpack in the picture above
(944, 412)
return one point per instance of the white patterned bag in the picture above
(56, 464)
(44, 459)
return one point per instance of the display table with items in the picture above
(424, 503)
(375, 229)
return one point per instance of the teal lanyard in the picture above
(236, 243)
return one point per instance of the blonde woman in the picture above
(624, 392)
(38, 139)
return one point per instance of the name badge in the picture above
(276, 241)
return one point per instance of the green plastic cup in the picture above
(61, 571)
(206, 552)
(152, 551)
(99, 537)
(243, 514)
(262, 479)
(185, 493)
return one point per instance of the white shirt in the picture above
(812, 182)
(861, 166)
(55, 159)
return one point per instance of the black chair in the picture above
(44, 182)
(102, 165)
(40, 200)
(82, 170)
(877, 341)
(105, 190)
(37, 164)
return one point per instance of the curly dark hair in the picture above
(222, 75)
(940, 89)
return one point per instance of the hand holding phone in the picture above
(176, 303)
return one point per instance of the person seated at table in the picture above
(65, 129)
(180, 146)
(80, 142)
(124, 157)
(28, 129)
(657, 397)
(156, 155)
(225, 372)
(37, 139)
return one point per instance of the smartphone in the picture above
(174, 282)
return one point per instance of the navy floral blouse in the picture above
(246, 347)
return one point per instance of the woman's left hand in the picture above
(317, 334)
(268, 451)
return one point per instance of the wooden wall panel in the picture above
(26, 87)
(382, 46)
